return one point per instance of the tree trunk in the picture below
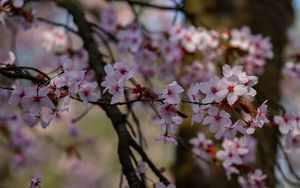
(270, 18)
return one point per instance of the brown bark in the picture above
(270, 18)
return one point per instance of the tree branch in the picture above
(96, 63)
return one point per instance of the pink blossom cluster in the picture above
(181, 56)
(206, 47)
(253, 180)
(235, 155)
(203, 148)
(258, 48)
(289, 127)
(206, 98)
(11, 128)
(291, 69)
(116, 77)
(231, 88)
(55, 40)
(45, 103)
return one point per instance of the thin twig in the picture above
(149, 162)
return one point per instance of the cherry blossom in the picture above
(33, 119)
(166, 138)
(202, 147)
(171, 93)
(116, 76)
(108, 19)
(141, 167)
(211, 88)
(240, 38)
(88, 92)
(292, 141)
(194, 95)
(286, 123)
(36, 99)
(17, 95)
(231, 90)
(161, 185)
(259, 120)
(217, 120)
(253, 180)
(55, 40)
(130, 39)
(233, 150)
(190, 39)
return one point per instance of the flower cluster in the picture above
(289, 126)
(45, 103)
(55, 40)
(230, 89)
(116, 77)
(203, 148)
(291, 69)
(234, 155)
(253, 180)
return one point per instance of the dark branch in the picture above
(18, 73)
(149, 162)
(96, 63)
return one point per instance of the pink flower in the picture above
(190, 39)
(141, 167)
(171, 93)
(240, 38)
(124, 70)
(292, 141)
(176, 32)
(211, 88)
(109, 19)
(231, 130)
(229, 156)
(253, 180)
(234, 74)
(116, 76)
(169, 113)
(36, 99)
(74, 79)
(33, 119)
(285, 123)
(166, 138)
(261, 116)
(161, 185)
(130, 39)
(17, 95)
(231, 90)
(88, 92)
(194, 95)
(199, 114)
(171, 51)
(201, 146)
(217, 120)
(55, 40)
